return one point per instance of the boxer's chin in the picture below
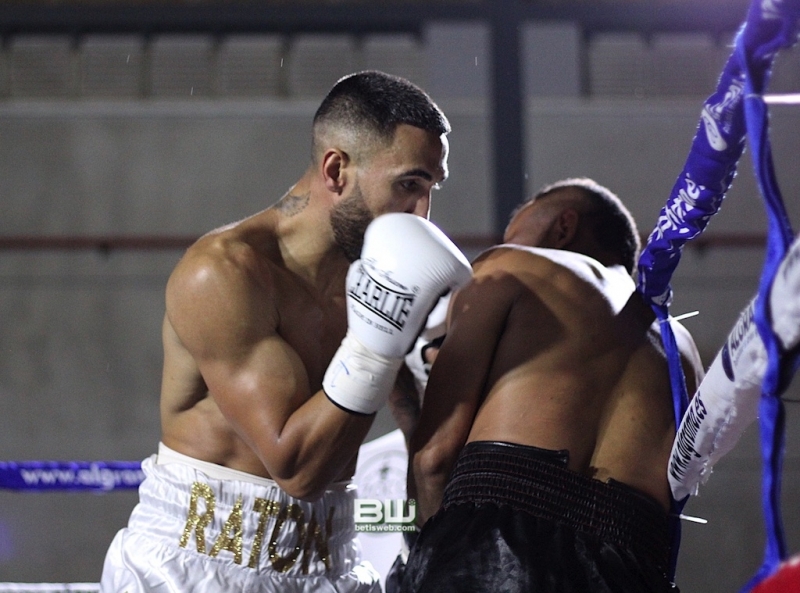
(349, 221)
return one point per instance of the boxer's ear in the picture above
(334, 168)
(565, 228)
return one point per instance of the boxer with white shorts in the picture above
(204, 527)
(284, 334)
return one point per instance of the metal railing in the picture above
(503, 18)
(109, 243)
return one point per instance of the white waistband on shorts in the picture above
(212, 470)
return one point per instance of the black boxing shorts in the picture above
(515, 519)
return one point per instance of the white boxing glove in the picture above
(406, 264)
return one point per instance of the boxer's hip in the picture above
(248, 520)
(537, 482)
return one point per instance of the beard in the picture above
(349, 221)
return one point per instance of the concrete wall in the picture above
(80, 339)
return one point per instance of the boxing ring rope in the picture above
(737, 109)
(91, 476)
(50, 587)
(98, 477)
(783, 99)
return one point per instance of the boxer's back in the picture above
(578, 366)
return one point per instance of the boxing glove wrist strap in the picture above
(357, 379)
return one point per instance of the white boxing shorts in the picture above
(201, 527)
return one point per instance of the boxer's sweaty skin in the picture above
(550, 348)
(256, 310)
(610, 408)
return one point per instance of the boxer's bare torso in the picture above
(564, 388)
(564, 356)
(256, 310)
(268, 302)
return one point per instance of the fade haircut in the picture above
(611, 223)
(370, 105)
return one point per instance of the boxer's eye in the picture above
(410, 185)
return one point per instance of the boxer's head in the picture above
(580, 215)
(362, 112)
(380, 143)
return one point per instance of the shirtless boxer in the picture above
(542, 447)
(250, 488)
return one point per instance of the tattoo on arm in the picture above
(291, 204)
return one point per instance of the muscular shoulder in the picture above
(559, 269)
(223, 286)
(509, 264)
(507, 275)
(513, 256)
(227, 250)
(511, 259)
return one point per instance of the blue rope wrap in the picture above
(777, 29)
(698, 194)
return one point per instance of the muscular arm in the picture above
(404, 403)
(457, 384)
(222, 308)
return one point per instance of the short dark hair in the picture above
(374, 103)
(613, 227)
